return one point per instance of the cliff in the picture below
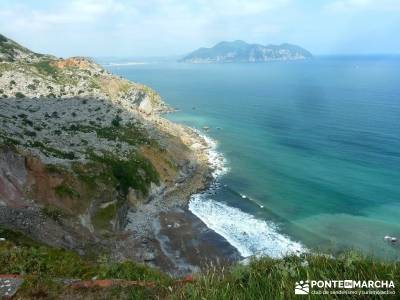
(239, 51)
(83, 153)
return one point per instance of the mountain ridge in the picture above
(240, 51)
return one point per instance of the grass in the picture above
(64, 191)
(103, 216)
(44, 67)
(41, 266)
(268, 278)
(17, 237)
(264, 278)
(49, 151)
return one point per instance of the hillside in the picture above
(86, 161)
(49, 273)
(239, 51)
(11, 51)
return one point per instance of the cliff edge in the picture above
(86, 161)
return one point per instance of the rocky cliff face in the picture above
(79, 148)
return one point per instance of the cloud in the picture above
(163, 27)
(362, 5)
(68, 13)
(243, 7)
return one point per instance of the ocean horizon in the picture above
(312, 149)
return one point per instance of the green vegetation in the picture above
(31, 87)
(103, 216)
(116, 121)
(154, 98)
(54, 213)
(135, 172)
(5, 66)
(264, 278)
(44, 67)
(3, 39)
(66, 191)
(17, 237)
(269, 278)
(52, 151)
(41, 266)
(10, 49)
(57, 169)
(91, 174)
(132, 133)
(5, 140)
(30, 133)
(19, 95)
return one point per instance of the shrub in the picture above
(53, 213)
(136, 172)
(116, 121)
(66, 191)
(31, 87)
(30, 133)
(19, 95)
(46, 68)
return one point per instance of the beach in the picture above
(164, 232)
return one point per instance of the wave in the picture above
(246, 197)
(249, 235)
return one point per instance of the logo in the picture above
(302, 287)
(345, 287)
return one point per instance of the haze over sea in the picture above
(313, 145)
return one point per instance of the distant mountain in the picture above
(240, 51)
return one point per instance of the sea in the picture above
(308, 151)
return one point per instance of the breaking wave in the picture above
(249, 235)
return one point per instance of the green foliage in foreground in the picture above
(275, 278)
(44, 268)
(262, 279)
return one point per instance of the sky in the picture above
(145, 28)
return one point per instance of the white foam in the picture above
(215, 159)
(250, 236)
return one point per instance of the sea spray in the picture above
(250, 236)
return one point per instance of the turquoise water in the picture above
(316, 143)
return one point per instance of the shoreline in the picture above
(189, 203)
(164, 232)
(249, 237)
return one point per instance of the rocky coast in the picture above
(88, 163)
